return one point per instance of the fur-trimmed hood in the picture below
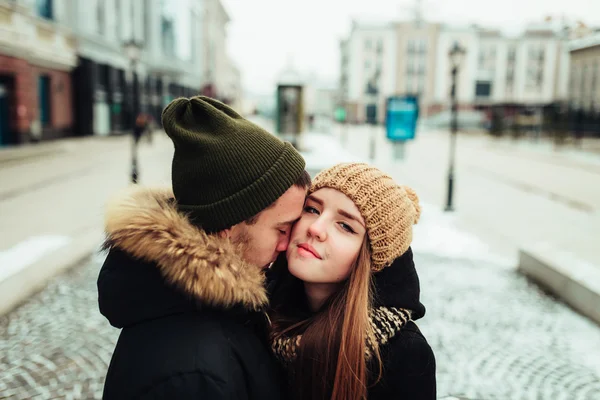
(144, 224)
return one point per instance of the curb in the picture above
(20, 286)
(574, 281)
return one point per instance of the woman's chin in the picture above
(299, 268)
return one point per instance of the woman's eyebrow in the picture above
(349, 216)
(315, 199)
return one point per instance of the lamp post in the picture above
(133, 51)
(371, 94)
(456, 55)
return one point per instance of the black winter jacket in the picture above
(408, 360)
(191, 311)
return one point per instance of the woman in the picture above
(343, 304)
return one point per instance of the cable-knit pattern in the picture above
(385, 323)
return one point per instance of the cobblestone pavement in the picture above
(494, 334)
(498, 336)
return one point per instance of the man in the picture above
(184, 274)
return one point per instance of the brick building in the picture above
(36, 58)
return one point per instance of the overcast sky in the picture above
(264, 34)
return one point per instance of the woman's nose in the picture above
(317, 229)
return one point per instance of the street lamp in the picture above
(456, 55)
(371, 94)
(133, 50)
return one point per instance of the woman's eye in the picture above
(311, 210)
(283, 232)
(346, 227)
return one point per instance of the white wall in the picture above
(524, 93)
(555, 68)
(467, 38)
(359, 73)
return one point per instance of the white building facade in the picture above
(416, 61)
(531, 70)
(110, 87)
(369, 60)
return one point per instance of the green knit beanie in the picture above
(225, 168)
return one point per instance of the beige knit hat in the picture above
(389, 210)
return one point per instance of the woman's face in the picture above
(325, 242)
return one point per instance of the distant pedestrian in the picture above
(139, 127)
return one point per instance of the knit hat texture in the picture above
(225, 168)
(390, 210)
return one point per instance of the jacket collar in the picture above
(144, 223)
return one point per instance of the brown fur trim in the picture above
(145, 223)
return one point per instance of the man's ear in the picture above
(225, 233)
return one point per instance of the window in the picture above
(421, 88)
(422, 66)
(44, 99)
(483, 89)
(367, 65)
(168, 38)
(100, 16)
(539, 77)
(594, 77)
(512, 53)
(118, 24)
(583, 81)
(380, 46)
(534, 76)
(510, 75)
(408, 86)
(44, 8)
(368, 44)
(481, 59)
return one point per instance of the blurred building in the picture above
(218, 70)
(507, 74)
(343, 91)
(65, 68)
(109, 86)
(368, 75)
(37, 55)
(584, 85)
(416, 60)
(320, 96)
(467, 74)
(231, 91)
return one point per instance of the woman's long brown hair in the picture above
(331, 359)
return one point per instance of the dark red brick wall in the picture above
(61, 99)
(23, 104)
(25, 107)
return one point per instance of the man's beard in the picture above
(243, 242)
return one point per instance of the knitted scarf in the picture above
(385, 322)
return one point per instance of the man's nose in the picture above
(283, 243)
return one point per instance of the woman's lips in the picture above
(307, 250)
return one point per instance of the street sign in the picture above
(402, 113)
(340, 114)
